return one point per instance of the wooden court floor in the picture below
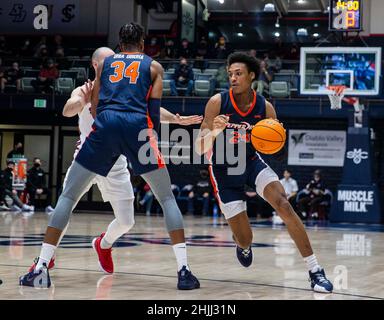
(145, 268)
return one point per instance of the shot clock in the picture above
(345, 15)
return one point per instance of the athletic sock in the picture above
(46, 254)
(312, 263)
(180, 250)
(115, 231)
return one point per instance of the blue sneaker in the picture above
(186, 280)
(319, 283)
(244, 256)
(39, 279)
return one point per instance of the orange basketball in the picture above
(268, 136)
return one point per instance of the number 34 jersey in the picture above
(125, 83)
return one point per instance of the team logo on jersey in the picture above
(242, 125)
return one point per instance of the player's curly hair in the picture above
(253, 64)
(131, 34)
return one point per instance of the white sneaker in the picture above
(49, 210)
(27, 208)
(15, 209)
(3, 207)
(276, 219)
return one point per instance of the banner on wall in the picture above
(188, 21)
(19, 173)
(18, 16)
(316, 147)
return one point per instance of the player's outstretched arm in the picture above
(96, 89)
(79, 98)
(213, 124)
(169, 117)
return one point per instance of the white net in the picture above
(336, 96)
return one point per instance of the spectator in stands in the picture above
(12, 76)
(201, 54)
(46, 78)
(39, 46)
(57, 42)
(185, 50)
(253, 53)
(183, 77)
(147, 199)
(221, 78)
(293, 53)
(17, 152)
(62, 62)
(221, 50)
(4, 50)
(265, 77)
(290, 187)
(6, 186)
(36, 185)
(201, 190)
(153, 48)
(26, 49)
(42, 57)
(169, 51)
(2, 72)
(314, 193)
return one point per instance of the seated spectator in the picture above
(62, 62)
(221, 50)
(36, 185)
(265, 77)
(290, 187)
(147, 199)
(201, 190)
(153, 48)
(45, 82)
(4, 49)
(201, 54)
(183, 77)
(221, 78)
(26, 49)
(169, 51)
(12, 76)
(17, 152)
(314, 193)
(6, 189)
(185, 51)
(253, 53)
(2, 72)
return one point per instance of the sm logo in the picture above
(357, 155)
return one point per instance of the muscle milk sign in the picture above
(355, 200)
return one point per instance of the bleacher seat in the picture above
(171, 70)
(278, 89)
(26, 84)
(68, 74)
(212, 72)
(202, 88)
(82, 73)
(31, 73)
(166, 87)
(65, 85)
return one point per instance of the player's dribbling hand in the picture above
(87, 91)
(219, 123)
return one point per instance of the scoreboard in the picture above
(345, 15)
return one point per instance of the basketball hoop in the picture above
(336, 96)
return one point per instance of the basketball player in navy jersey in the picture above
(127, 92)
(230, 113)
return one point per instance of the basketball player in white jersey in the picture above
(116, 187)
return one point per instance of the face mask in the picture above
(36, 165)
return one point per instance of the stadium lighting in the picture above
(240, 34)
(302, 32)
(277, 24)
(277, 34)
(220, 1)
(269, 7)
(316, 35)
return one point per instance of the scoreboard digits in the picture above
(345, 15)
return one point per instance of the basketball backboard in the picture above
(356, 68)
